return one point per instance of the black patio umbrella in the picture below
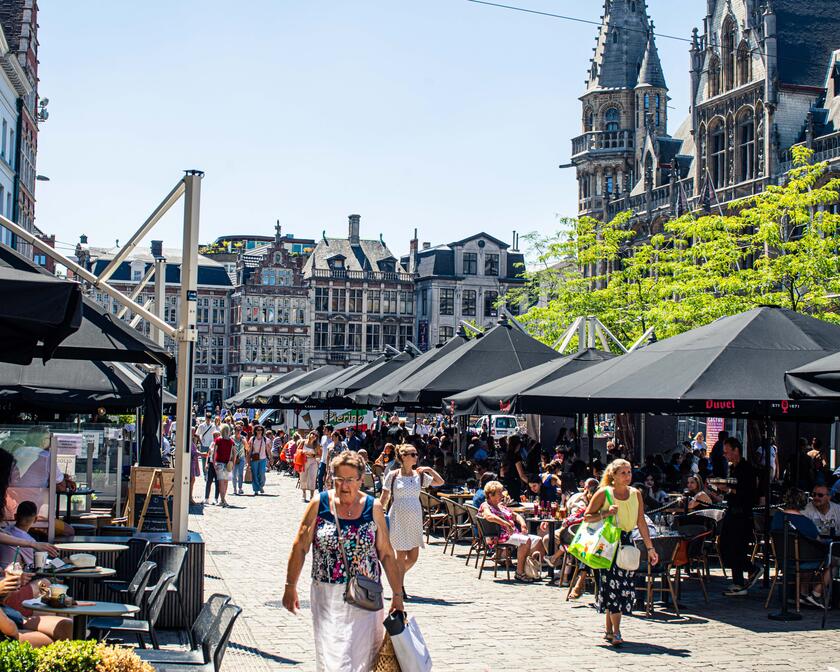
(236, 400)
(269, 397)
(372, 394)
(369, 377)
(818, 380)
(733, 366)
(503, 395)
(502, 350)
(311, 393)
(150, 445)
(37, 310)
(68, 385)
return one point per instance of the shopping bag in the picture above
(386, 659)
(409, 645)
(595, 544)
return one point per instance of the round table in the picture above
(552, 528)
(77, 578)
(80, 614)
(90, 547)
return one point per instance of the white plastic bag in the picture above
(409, 645)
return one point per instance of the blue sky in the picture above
(441, 115)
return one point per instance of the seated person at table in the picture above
(793, 506)
(512, 529)
(37, 630)
(697, 495)
(575, 508)
(550, 482)
(824, 512)
(479, 497)
(533, 492)
(25, 517)
(652, 493)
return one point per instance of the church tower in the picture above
(624, 103)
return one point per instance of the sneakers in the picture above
(735, 591)
(812, 600)
(755, 576)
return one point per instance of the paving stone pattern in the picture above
(491, 625)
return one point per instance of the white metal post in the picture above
(186, 337)
(160, 289)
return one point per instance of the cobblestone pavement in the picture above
(491, 625)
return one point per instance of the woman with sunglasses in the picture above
(403, 486)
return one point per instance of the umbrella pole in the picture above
(590, 431)
(769, 476)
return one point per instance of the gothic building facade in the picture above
(765, 75)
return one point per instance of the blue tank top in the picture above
(548, 492)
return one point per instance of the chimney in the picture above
(353, 237)
(427, 246)
(412, 254)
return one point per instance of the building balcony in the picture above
(361, 276)
(605, 142)
(826, 148)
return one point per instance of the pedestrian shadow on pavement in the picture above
(263, 654)
(414, 599)
(645, 649)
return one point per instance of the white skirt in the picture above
(517, 539)
(347, 638)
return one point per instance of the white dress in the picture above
(406, 513)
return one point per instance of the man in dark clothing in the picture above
(737, 524)
(719, 466)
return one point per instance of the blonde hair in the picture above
(225, 431)
(608, 478)
(698, 436)
(492, 488)
(349, 458)
(398, 452)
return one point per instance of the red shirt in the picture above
(224, 449)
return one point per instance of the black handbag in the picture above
(360, 591)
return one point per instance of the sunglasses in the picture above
(339, 480)
(409, 454)
(818, 494)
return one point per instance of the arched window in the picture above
(658, 109)
(744, 65)
(714, 77)
(587, 120)
(728, 49)
(611, 119)
(746, 146)
(615, 36)
(647, 102)
(717, 158)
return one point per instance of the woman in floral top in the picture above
(512, 528)
(347, 638)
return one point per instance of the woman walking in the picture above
(195, 463)
(240, 449)
(403, 485)
(347, 637)
(223, 461)
(615, 498)
(260, 447)
(210, 470)
(309, 476)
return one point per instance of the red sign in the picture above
(722, 405)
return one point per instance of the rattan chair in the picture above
(495, 553)
(458, 523)
(804, 557)
(434, 514)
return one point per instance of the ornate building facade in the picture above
(764, 77)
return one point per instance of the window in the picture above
(268, 277)
(490, 304)
(647, 102)
(201, 349)
(406, 303)
(588, 120)
(658, 109)
(611, 119)
(218, 314)
(5, 132)
(446, 333)
(285, 277)
(339, 335)
(714, 77)
(322, 299)
(744, 64)
(468, 303)
(424, 302)
(372, 338)
(40, 259)
(339, 300)
(337, 263)
(321, 336)
(728, 50)
(373, 302)
(354, 337)
(447, 301)
(389, 302)
(491, 264)
(266, 349)
(356, 297)
(470, 263)
(203, 310)
(610, 184)
(389, 335)
(746, 146)
(406, 334)
(298, 311)
(718, 158)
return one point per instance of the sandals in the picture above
(608, 636)
(617, 639)
(524, 578)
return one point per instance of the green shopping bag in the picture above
(595, 544)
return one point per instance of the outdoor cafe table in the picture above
(457, 495)
(77, 578)
(80, 613)
(90, 547)
(69, 494)
(552, 527)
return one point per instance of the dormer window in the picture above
(338, 263)
(387, 265)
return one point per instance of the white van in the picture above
(499, 425)
(342, 419)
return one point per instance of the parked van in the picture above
(306, 420)
(498, 425)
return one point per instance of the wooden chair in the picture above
(804, 557)
(666, 548)
(459, 524)
(496, 553)
(696, 559)
(712, 519)
(478, 540)
(434, 515)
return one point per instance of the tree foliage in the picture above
(776, 248)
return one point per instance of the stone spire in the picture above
(651, 72)
(621, 45)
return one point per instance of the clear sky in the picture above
(441, 115)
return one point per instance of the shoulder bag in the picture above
(360, 591)
(629, 557)
(596, 544)
(255, 454)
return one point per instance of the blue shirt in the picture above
(478, 498)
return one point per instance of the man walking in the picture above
(205, 436)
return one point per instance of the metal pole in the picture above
(186, 336)
(160, 297)
(785, 614)
(136, 291)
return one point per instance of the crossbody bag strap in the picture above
(609, 500)
(334, 511)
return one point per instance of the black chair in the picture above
(712, 519)
(666, 548)
(128, 562)
(170, 558)
(139, 627)
(500, 552)
(203, 631)
(804, 557)
(434, 517)
(478, 540)
(215, 647)
(696, 557)
(134, 591)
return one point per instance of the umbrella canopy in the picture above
(818, 380)
(269, 397)
(502, 350)
(371, 376)
(236, 400)
(68, 385)
(35, 307)
(101, 336)
(372, 395)
(502, 396)
(310, 393)
(733, 366)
